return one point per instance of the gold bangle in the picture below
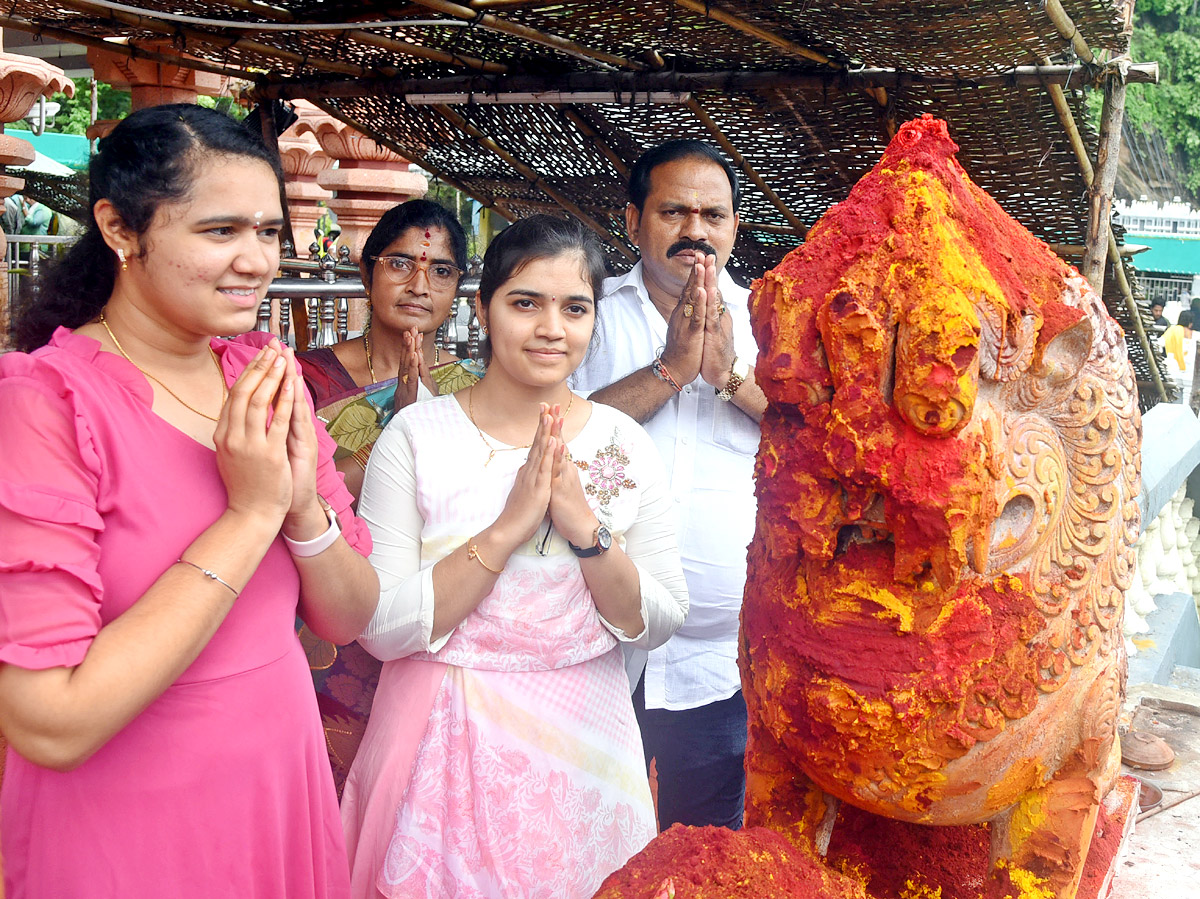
(473, 553)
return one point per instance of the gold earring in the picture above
(124, 262)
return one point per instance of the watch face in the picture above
(603, 538)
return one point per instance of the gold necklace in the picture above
(367, 350)
(492, 450)
(178, 398)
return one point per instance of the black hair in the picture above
(1185, 318)
(672, 150)
(540, 237)
(149, 159)
(423, 214)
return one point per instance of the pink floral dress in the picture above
(504, 759)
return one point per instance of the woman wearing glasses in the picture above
(411, 266)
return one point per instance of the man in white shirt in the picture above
(674, 350)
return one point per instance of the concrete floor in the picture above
(1162, 858)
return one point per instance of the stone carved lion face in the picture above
(947, 495)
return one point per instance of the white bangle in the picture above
(306, 548)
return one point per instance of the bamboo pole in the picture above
(703, 8)
(530, 174)
(129, 50)
(494, 23)
(573, 116)
(1100, 192)
(733, 81)
(745, 166)
(208, 39)
(370, 38)
(1067, 119)
(1068, 30)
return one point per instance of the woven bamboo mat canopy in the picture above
(529, 105)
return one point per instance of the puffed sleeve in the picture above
(403, 620)
(50, 589)
(651, 545)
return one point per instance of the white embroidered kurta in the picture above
(504, 759)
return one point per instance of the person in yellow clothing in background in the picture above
(1173, 339)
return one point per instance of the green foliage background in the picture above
(1168, 32)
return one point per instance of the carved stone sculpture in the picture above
(947, 512)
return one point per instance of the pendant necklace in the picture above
(492, 450)
(178, 398)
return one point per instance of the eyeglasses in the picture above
(402, 269)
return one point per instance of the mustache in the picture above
(698, 246)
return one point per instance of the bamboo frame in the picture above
(1100, 191)
(207, 39)
(1067, 120)
(1061, 21)
(529, 174)
(734, 81)
(572, 115)
(411, 155)
(494, 23)
(705, 9)
(740, 161)
(130, 50)
(371, 39)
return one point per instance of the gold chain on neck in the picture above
(178, 398)
(492, 450)
(437, 355)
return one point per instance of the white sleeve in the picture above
(651, 545)
(403, 620)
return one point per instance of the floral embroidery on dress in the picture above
(606, 472)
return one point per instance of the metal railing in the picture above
(321, 285)
(25, 254)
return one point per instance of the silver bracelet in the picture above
(209, 574)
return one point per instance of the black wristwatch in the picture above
(602, 544)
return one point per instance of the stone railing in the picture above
(1168, 548)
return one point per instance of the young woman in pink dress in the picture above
(168, 506)
(522, 536)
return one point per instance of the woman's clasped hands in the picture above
(265, 440)
(548, 484)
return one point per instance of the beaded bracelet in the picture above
(209, 574)
(660, 372)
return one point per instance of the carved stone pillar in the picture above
(22, 80)
(303, 161)
(150, 83)
(368, 181)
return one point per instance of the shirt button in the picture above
(687, 389)
(683, 440)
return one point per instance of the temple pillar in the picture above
(368, 181)
(22, 80)
(150, 83)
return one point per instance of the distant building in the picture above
(1169, 270)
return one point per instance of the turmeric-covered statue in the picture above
(947, 489)
(947, 507)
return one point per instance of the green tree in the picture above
(1168, 32)
(75, 113)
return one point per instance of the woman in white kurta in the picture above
(503, 757)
